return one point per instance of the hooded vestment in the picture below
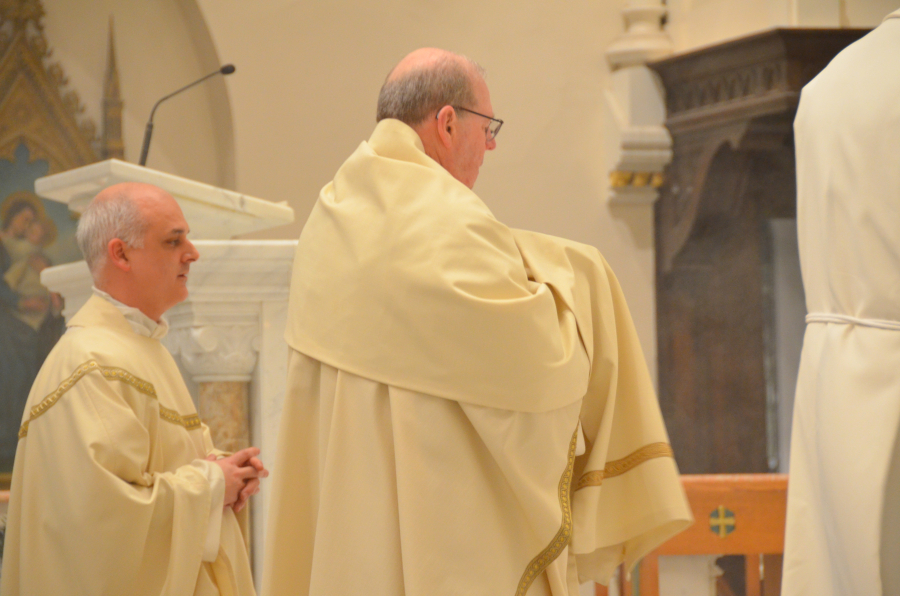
(443, 370)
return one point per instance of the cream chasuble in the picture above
(843, 531)
(110, 493)
(440, 366)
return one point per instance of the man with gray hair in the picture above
(444, 374)
(117, 488)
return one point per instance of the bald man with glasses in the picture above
(468, 410)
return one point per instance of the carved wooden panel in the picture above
(730, 110)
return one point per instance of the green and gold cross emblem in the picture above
(722, 521)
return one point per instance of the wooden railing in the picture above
(735, 514)
(740, 514)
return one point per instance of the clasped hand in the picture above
(243, 471)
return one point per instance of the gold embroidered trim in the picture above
(559, 542)
(189, 422)
(620, 466)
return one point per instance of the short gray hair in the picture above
(117, 217)
(414, 96)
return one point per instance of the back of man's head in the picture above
(425, 81)
(114, 213)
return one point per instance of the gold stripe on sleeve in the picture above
(559, 542)
(620, 466)
(189, 421)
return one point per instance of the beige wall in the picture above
(161, 45)
(308, 73)
(696, 23)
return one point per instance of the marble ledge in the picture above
(228, 271)
(225, 313)
(214, 212)
(216, 352)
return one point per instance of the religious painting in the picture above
(34, 234)
(41, 132)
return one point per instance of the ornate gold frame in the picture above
(38, 110)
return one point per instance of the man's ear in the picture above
(116, 254)
(447, 123)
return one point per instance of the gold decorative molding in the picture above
(36, 107)
(22, 12)
(623, 179)
(42, 118)
(636, 102)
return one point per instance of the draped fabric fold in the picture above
(440, 365)
(402, 275)
(624, 510)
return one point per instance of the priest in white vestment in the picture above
(468, 410)
(117, 488)
(843, 519)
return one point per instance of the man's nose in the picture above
(192, 254)
(491, 144)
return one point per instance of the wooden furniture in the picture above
(730, 110)
(735, 514)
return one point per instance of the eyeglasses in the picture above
(493, 129)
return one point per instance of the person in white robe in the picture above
(117, 487)
(468, 409)
(843, 516)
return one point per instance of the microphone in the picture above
(225, 70)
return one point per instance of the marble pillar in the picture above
(220, 358)
(635, 100)
(225, 407)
